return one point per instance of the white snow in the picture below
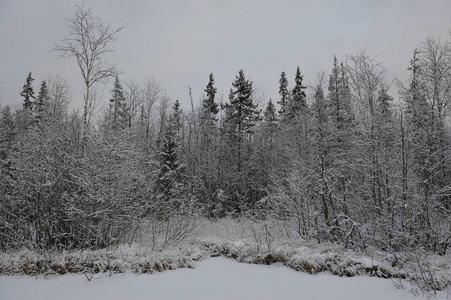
(213, 279)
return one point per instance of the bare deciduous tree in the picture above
(152, 92)
(59, 97)
(365, 76)
(89, 40)
(133, 98)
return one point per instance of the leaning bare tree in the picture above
(89, 40)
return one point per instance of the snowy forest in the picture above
(352, 160)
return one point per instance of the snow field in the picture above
(214, 278)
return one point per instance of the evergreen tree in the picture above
(339, 105)
(284, 94)
(298, 103)
(171, 181)
(207, 157)
(339, 93)
(384, 105)
(118, 106)
(28, 93)
(323, 133)
(332, 140)
(386, 149)
(270, 115)
(43, 99)
(210, 106)
(417, 107)
(418, 114)
(319, 109)
(263, 161)
(242, 111)
(241, 116)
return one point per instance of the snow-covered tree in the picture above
(118, 106)
(171, 182)
(89, 41)
(206, 160)
(298, 101)
(241, 116)
(210, 106)
(241, 111)
(284, 94)
(270, 114)
(28, 93)
(339, 101)
(42, 100)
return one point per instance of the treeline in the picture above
(339, 161)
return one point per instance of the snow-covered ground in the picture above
(213, 278)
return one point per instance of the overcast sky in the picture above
(180, 42)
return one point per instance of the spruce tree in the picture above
(171, 179)
(210, 106)
(322, 146)
(242, 111)
(241, 116)
(28, 93)
(42, 100)
(319, 109)
(419, 115)
(384, 105)
(417, 107)
(118, 106)
(270, 118)
(284, 94)
(270, 113)
(208, 145)
(339, 106)
(298, 103)
(334, 139)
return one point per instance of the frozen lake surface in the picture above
(213, 279)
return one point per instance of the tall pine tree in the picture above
(171, 182)
(208, 146)
(339, 105)
(242, 112)
(284, 94)
(298, 103)
(118, 106)
(241, 116)
(270, 113)
(210, 107)
(28, 93)
(42, 100)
